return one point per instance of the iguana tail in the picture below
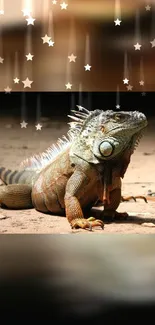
(17, 177)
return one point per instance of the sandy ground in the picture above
(17, 144)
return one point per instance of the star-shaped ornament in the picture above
(63, 5)
(72, 57)
(141, 82)
(38, 127)
(30, 21)
(143, 93)
(16, 80)
(117, 22)
(29, 57)
(54, 2)
(148, 8)
(7, 90)
(26, 12)
(129, 87)
(125, 81)
(27, 83)
(46, 39)
(87, 67)
(1, 60)
(153, 43)
(118, 106)
(23, 125)
(68, 85)
(50, 43)
(137, 46)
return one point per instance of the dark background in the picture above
(59, 104)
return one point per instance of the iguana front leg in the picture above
(75, 188)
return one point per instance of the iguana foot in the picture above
(87, 223)
(128, 198)
(111, 216)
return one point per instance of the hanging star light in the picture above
(29, 57)
(87, 67)
(117, 22)
(68, 85)
(38, 127)
(63, 5)
(72, 57)
(30, 21)
(16, 80)
(27, 83)
(137, 46)
(125, 81)
(1, 60)
(26, 12)
(7, 90)
(23, 125)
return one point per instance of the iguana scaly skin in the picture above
(83, 170)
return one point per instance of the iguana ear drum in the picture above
(106, 148)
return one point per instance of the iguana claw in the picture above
(87, 223)
(128, 198)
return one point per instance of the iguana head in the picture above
(104, 135)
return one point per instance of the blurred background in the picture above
(52, 42)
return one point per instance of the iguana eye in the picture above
(106, 149)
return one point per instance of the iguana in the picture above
(84, 169)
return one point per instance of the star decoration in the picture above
(118, 106)
(1, 60)
(148, 8)
(125, 81)
(26, 12)
(72, 58)
(29, 57)
(50, 43)
(38, 127)
(27, 83)
(30, 21)
(1, 12)
(129, 87)
(7, 90)
(23, 125)
(54, 2)
(16, 80)
(68, 85)
(117, 22)
(63, 5)
(137, 46)
(87, 67)
(143, 93)
(141, 82)
(46, 39)
(153, 43)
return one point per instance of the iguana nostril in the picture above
(106, 149)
